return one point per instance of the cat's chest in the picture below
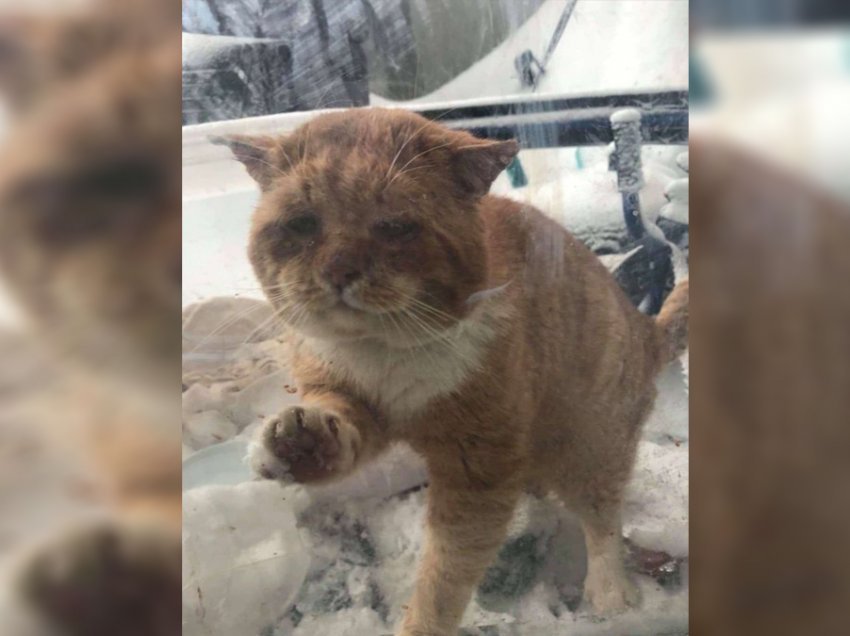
(404, 381)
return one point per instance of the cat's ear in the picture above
(477, 164)
(258, 153)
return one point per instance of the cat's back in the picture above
(577, 324)
(548, 262)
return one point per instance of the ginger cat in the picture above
(477, 330)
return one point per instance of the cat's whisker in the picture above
(418, 348)
(443, 338)
(411, 137)
(278, 314)
(414, 158)
(431, 309)
(224, 324)
(401, 149)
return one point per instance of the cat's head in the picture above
(90, 225)
(368, 226)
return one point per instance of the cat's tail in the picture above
(672, 321)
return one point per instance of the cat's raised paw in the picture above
(304, 444)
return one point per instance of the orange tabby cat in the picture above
(469, 326)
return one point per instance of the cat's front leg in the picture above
(466, 526)
(323, 439)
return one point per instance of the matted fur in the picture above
(542, 383)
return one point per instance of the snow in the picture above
(587, 202)
(200, 49)
(208, 427)
(677, 195)
(242, 558)
(626, 116)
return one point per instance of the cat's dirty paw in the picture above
(610, 592)
(107, 580)
(304, 444)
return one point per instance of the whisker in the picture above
(227, 322)
(414, 158)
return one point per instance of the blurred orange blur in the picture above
(770, 334)
(90, 270)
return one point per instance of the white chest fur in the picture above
(403, 381)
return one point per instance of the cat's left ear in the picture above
(257, 153)
(477, 164)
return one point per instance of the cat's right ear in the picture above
(258, 153)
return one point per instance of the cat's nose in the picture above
(341, 273)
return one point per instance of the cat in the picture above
(90, 248)
(423, 310)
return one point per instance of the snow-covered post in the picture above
(625, 125)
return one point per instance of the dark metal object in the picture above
(570, 121)
(631, 214)
(528, 68)
(526, 62)
(627, 146)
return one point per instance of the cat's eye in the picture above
(304, 225)
(397, 229)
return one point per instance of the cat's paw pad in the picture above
(107, 579)
(304, 444)
(610, 593)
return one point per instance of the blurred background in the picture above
(768, 99)
(770, 206)
(90, 279)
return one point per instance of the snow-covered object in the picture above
(682, 161)
(217, 327)
(243, 560)
(198, 398)
(655, 513)
(206, 428)
(264, 397)
(362, 620)
(677, 195)
(625, 125)
(668, 421)
(589, 205)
